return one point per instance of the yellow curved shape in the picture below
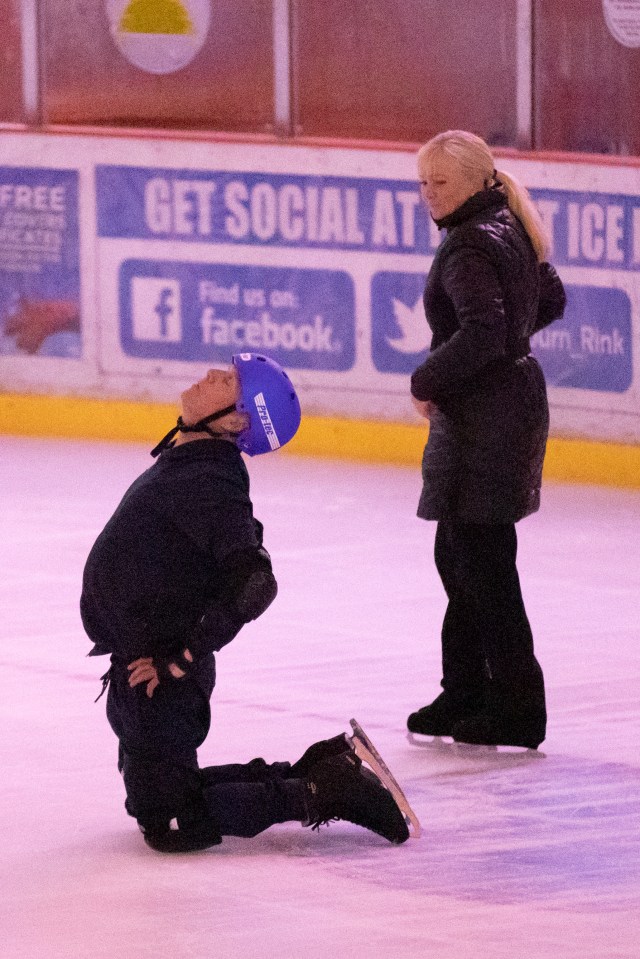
(156, 16)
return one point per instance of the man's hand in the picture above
(425, 408)
(148, 670)
(144, 671)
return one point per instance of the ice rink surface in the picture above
(523, 856)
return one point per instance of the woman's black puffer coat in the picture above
(486, 294)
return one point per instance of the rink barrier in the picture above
(569, 460)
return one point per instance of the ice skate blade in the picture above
(481, 749)
(449, 747)
(367, 753)
(442, 743)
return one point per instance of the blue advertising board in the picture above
(339, 213)
(39, 262)
(206, 312)
(308, 317)
(589, 348)
(400, 335)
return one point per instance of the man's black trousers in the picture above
(159, 737)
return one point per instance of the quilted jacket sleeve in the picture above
(553, 298)
(470, 280)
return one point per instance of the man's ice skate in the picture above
(340, 788)
(367, 753)
(325, 749)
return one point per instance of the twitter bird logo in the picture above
(415, 334)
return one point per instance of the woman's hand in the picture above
(425, 408)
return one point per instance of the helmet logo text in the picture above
(265, 419)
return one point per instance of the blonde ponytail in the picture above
(521, 205)
(474, 156)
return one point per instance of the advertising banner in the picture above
(318, 257)
(39, 262)
(181, 310)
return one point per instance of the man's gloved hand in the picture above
(152, 670)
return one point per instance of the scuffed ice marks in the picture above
(509, 829)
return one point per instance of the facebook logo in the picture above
(155, 310)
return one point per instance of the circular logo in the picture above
(159, 36)
(623, 20)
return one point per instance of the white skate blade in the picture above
(515, 752)
(367, 752)
(440, 747)
(431, 742)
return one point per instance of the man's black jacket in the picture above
(169, 569)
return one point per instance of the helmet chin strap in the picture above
(200, 427)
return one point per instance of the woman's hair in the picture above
(475, 158)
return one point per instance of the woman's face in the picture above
(444, 185)
(215, 391)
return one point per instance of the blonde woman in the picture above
(489, 289)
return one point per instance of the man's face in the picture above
(444, 186)
(215, 391)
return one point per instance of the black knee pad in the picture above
(191, 838)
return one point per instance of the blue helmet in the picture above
(268, 396)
